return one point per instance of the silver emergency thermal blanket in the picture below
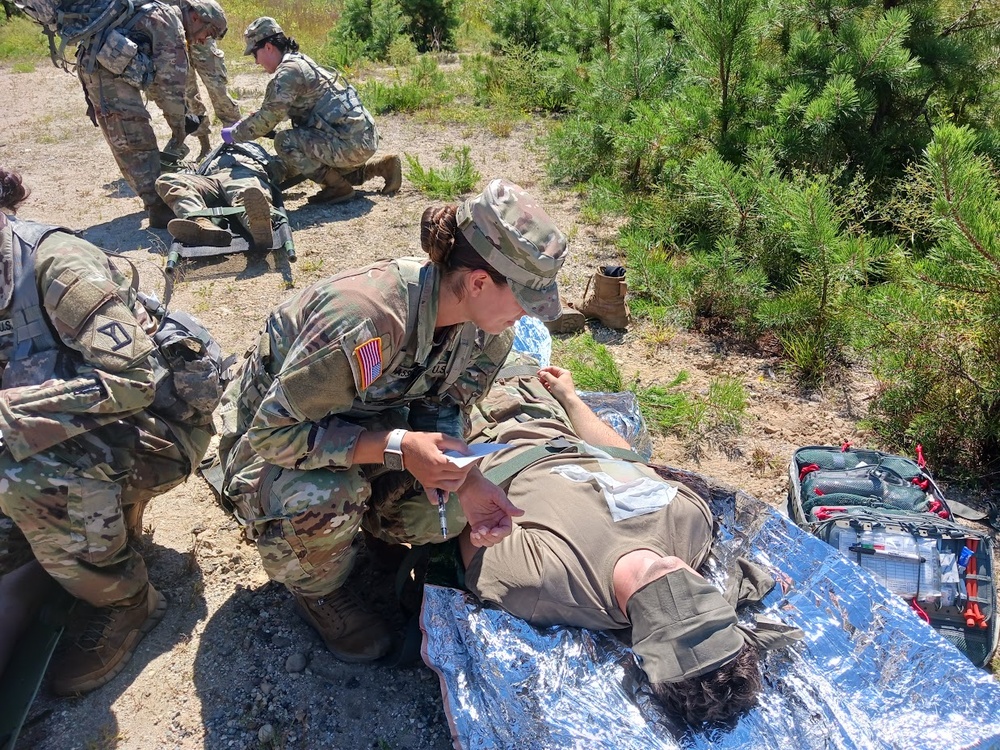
(868, 675)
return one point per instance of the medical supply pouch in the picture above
(117, 52)
(885, 513)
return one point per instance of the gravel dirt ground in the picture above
(231, 666)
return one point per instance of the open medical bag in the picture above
(886, 513)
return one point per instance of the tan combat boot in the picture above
(258, 217)
(159, 214)
(389, 168)
(204, 145)
(104, 643)
(336, 189)
(570, 320)
(199, 231)
(607, 300)
(352, 633)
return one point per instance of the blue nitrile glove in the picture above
(227, 135)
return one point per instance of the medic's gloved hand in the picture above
(192, 123)
(227, 135)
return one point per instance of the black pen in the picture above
(442, 512)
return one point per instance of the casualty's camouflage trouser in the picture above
(208, 62)
(310, 151)
(119, 108)
(80, 504)
(303, 522)
(187, 193)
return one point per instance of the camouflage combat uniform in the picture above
(220, 180)
(117, 100)
(209, 63)
(83, 452)
(330, 126)
(355, 352)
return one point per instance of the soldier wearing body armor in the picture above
(125, 49)
(332, 138)
(233, 175)
(97, 418)
(371, 375)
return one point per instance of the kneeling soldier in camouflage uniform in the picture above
(372, 374)
(332, 138)
(85, 447)
(232, 175)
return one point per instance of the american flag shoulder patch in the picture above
(369, 355)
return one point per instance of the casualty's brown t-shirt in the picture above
(556, 566)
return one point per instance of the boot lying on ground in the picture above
(351, 632)
(258, 217)
(198, 231)
(103, 644)
(606, 301)
(336, 189)
(570, 320)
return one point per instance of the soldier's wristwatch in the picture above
(393, 455)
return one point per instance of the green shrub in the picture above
(592, 364)
(448, 182)
(523, 78)
(431, 24)
(402, 51)
(425, 86)
(529, 23)
(933, 334)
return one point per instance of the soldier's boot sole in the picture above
(332, 195)
(104, 667)
(258, 216)
(570, 320)
(190, 232)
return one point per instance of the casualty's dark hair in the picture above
(12, 190)
(717, 696)
(449, 249)
(282, 42)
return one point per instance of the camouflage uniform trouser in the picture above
(80, 503)
(209, 63)
(189, 193)
(310, 151)
(119, 108)
(303, 522)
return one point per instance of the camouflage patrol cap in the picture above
(211, 13)
(261, 29)
(518, 239)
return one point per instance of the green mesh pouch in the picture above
(867, 485)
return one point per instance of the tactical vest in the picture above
(35, 356)
(188, 364)
(343, 102)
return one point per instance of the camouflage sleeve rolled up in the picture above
(113, 379)
(288, 85)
